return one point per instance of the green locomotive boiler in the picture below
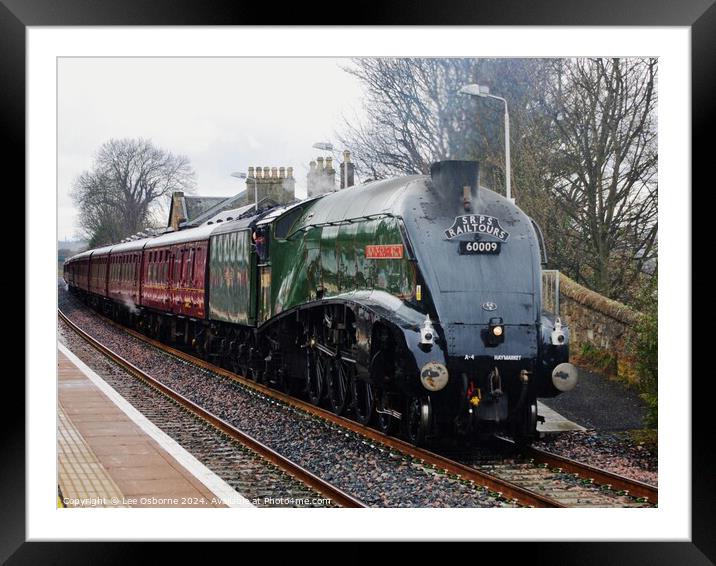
(411, 304)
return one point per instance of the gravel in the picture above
(617, 452)
(257, 480)
(376, 476)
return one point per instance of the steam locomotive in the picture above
(411, 304)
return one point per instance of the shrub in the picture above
(646, 348)
(597, 359)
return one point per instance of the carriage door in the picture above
(176, 292)
(261, 242)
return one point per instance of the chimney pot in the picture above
(347, 171)
(282, 172)
(289, 172)
(274, 172)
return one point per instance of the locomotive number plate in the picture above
(480, 247)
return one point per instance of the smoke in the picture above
(130, 305)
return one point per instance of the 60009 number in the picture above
(480, 247)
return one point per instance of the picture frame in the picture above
(700, 16)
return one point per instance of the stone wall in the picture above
(601, 330)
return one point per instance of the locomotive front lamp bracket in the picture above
(427, 333)
(558, 337)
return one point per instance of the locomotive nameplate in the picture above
(477, 224)
(390, 251)
(491, 248)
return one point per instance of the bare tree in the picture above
(118, 196)
(583, 135)
(415, 114)
(604, 167)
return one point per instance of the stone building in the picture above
(276, 184)
(273, 184)
(321, 177)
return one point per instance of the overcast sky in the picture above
(223, 114)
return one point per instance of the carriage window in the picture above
(193, 269)
(187, 266)
(177, 267)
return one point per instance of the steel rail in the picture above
(321, 486)
(629, 486)
(597, 476)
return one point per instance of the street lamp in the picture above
(324, 146)
(242, 175)
(484, 91)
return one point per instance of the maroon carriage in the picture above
(174, 272)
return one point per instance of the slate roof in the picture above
(222, 205)
(196, 206)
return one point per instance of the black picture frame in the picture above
(698, 15)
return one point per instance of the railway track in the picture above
(569, 483)
(321, 486)
(572, 483)
(639, 490)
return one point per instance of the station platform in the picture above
(554, 421)
(110, 455)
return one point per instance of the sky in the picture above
(224, 114)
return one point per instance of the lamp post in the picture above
(242, 175)
(484, 91)
(323, 146)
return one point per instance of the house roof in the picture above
(196, 206)
(221, 205)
